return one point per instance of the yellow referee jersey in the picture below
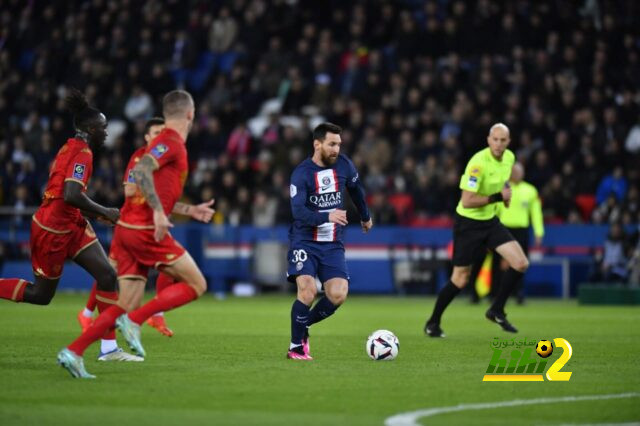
(485, 175)
(525, 209)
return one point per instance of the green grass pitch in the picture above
(226, 365)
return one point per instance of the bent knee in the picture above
(307, 292)
(41, 298)
(107, 280)
(337, 297)
(199, 286)
(307, 296)
(521, 265)
(460, 279)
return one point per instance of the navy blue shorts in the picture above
(322, 260)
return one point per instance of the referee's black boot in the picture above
(500, 318)
(433, 330)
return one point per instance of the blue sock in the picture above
(323, 309)
(299, 320)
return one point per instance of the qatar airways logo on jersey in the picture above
(324, 201)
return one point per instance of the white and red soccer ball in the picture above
(382, 345)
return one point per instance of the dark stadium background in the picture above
(415, 84)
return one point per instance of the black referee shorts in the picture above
(470, 236)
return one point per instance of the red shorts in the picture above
(135, 251)
(50, 248)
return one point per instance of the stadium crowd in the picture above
(415, 84)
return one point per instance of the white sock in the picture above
(108, 345)
(87, 313)
(294, 345)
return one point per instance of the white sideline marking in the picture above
(411, 418)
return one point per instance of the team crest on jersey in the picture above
(78, 171)
(159, 150)
(326, 181)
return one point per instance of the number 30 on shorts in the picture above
(299, 256)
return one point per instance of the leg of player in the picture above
(40, 292)
(131, 292)
(157, 321)
(300, 313)
(459, 279)
(106, 296)
(190, 285)
(518, 264)
(473, 276)
(94, 260)
(336, 290)
(85, 316)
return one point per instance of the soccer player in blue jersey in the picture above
(315, 238)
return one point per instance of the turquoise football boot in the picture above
(74, 364)
(131, 333)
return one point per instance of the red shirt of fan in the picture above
(169, 152)
(73, 162)
(131, 213)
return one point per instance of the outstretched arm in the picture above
(202, 212)
(74, 196)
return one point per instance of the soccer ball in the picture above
(544, 348)
(382, 345)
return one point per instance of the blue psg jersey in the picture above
(316, 191)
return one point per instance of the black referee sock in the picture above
(444, 298)
(510, 278)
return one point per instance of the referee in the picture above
(525, 210)
(476, 227)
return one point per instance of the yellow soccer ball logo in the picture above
(544, 348)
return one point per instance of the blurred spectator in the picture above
(613, 267)
(614, 184)
(264, 210)
(382, 212)
(416, 94)
(139, 105)
(22, 200)
(239, 143)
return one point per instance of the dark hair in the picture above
(153, 121)
(321, 130)
(176, 103)
(83, 114)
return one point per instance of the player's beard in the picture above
(96, 142)
(328, 160)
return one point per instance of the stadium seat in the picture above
(586, 203)
(403, 205)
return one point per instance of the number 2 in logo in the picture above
(554, 373)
